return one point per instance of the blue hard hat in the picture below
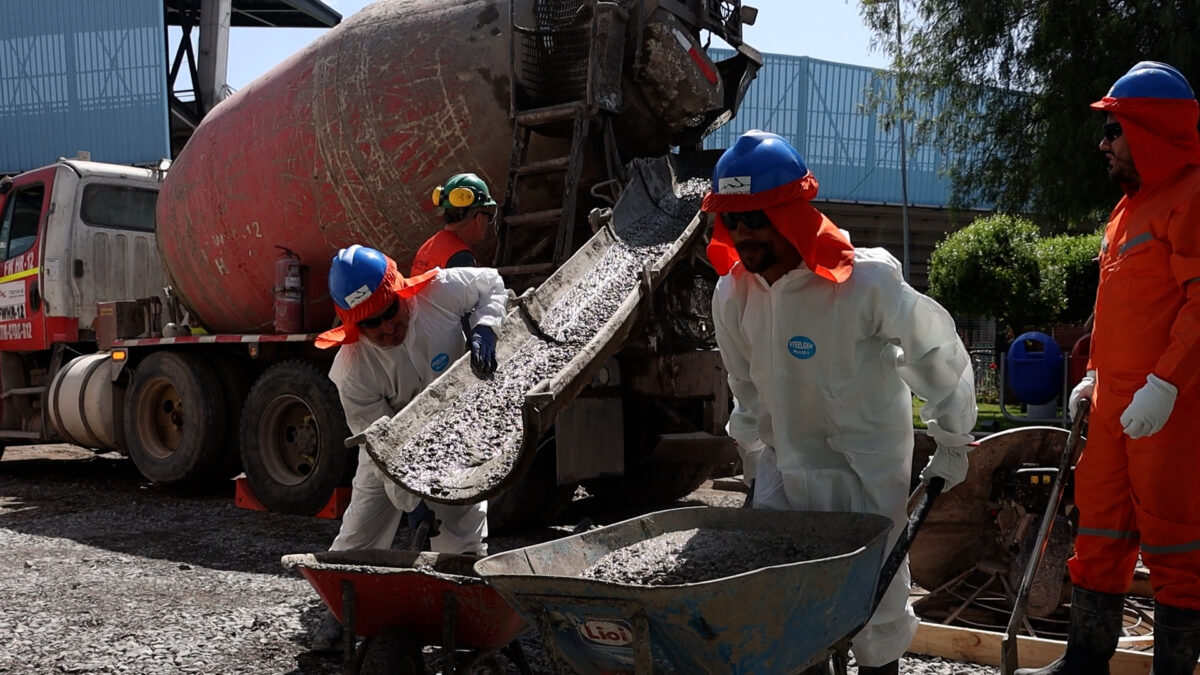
(758, 161)
(355, 273)
(1152, 79)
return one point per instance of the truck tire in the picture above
(293, 434)
(175, 419)
(533, 500)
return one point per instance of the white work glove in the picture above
(750, 455)
(949, 461)
(1150, 408)
(1085, 389)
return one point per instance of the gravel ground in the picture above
(102, 573)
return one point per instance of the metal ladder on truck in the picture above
(567, 78)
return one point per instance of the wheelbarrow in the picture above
(402, 600)
(778, 619)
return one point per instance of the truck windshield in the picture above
(21, 218)
(118, 206)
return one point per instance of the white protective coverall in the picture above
(821, 375)
(375, 382)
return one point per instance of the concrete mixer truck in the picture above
(170, 314)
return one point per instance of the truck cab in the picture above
(73, 234)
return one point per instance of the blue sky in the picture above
(823, 29)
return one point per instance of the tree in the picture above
(990, 269)
(1070, 272)
(1012, 80)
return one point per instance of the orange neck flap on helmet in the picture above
(394, 286)
(825, 250)
(1161, 131)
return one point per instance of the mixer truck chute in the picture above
(211, 359)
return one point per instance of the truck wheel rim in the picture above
(163, 416)
(289, 437)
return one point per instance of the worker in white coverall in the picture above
(397, 335)
(824, 345)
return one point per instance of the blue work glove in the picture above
(483, 350)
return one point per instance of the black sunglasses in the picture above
(388, 315)
(751, 220)
(1112, 131)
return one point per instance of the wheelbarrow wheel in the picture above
(394, 651)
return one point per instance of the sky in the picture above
(825, 29)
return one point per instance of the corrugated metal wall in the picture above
(82, 75)
(819, 107)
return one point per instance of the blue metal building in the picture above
(82, 76)
(821, 107)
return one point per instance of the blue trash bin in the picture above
(1035, 368)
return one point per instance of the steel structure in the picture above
(823, 109)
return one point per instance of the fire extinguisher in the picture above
(289, 292)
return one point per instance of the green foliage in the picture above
(990, 268)
(1069, 267)
(1013, 79)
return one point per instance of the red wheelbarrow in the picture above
(403, 600)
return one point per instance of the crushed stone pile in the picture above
(695, 555)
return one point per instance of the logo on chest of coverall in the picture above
(802, 347)
(440, 362)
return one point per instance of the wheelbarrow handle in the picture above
(926, 493)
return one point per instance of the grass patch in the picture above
(990, 418)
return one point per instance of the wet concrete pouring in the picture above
(485, 421)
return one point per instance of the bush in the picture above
(991, 268)
(1069, 267)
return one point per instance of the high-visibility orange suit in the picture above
(1137, 485)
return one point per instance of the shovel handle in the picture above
(895, 559)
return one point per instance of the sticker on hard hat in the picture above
(440, 362)
(734, 185)
(802, 347)
(357, 297)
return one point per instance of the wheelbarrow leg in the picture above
(516, 654)
(349, 634)
(449, 649)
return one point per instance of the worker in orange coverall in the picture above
(1137, 485)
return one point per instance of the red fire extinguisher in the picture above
(289, 292)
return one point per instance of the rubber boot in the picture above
(1176, 640)
(328, 635)
(892, 668)
(1096, 620)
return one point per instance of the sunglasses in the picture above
(377, 321)
(1112, 131)
(751, 220)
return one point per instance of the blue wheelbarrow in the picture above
(778, 619)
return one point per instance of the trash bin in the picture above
(1035, 367)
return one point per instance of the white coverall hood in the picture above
(821, 375)
(375, 382)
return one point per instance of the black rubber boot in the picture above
(327, 636)
(892, 668)
(1176, 640)
(1096, 620)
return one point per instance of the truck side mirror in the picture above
(749, 15)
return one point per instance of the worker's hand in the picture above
(1150, 408)
(483, 350)
(948, 463)
(1085, 389)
